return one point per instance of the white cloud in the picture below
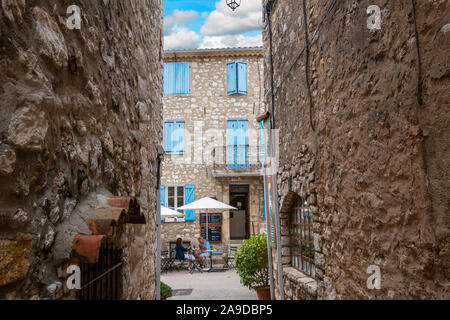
(224, 21)
(178, 17)
(223, 27)
(231, 41)
(181, 38)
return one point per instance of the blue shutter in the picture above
(232, 78)
(169, 78)
(242, 77)
(174, 137)
(176, 78)
(169, 137)
(189, 197)
(232, 144)
(242, 158)
(238, 145)
(178, 137)
(182, 78)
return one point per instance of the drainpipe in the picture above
(158, 222)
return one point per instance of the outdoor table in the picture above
(211, 253)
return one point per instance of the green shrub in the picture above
(166, 291)
(252, 262)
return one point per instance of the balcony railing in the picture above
(237, 158)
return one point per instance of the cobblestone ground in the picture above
(207, 286)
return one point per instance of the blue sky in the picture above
(211, 24)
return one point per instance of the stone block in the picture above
(14, 258)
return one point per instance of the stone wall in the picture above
(375, 171)
(206, 111)
(81, 111)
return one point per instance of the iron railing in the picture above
(302, 239)
(237, 158)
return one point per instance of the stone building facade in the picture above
(80, 123)
(205, 111)
(371, 170)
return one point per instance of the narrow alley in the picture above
(222, 150)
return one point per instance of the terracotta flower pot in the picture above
(263, 293)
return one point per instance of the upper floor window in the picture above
(237, 77)
(302, 238)
(174, 137)
(176, 78)
(238, 145)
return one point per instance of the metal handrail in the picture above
(235, 157)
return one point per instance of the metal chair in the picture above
(230, 259)
(182, 262)
(166, 261)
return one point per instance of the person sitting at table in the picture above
(203, 254)
(182, 253)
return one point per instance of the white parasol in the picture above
(169, 213)
(207, 204)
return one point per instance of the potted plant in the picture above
(166, 291)
(253, 267)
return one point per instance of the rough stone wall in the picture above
(80, 110)
(206, 111)
(375, 171)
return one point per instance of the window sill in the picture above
(302, 280)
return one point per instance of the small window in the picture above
(174, 137)
(175, 197)
(176, 78)
(302, 238)
(237, 78)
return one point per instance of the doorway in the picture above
(239, 219)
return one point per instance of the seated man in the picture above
(203, 247)
(182, 254)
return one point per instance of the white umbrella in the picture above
(207, 204)
(169, 213)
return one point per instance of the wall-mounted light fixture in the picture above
(233, 4)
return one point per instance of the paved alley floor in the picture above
(207, 286)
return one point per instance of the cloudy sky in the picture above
(190, 24)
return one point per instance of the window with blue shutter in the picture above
(237, 78)
(189, 191)
(174, 137)
(176, 78)
(238, 145)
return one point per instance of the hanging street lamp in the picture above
(233, 4)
